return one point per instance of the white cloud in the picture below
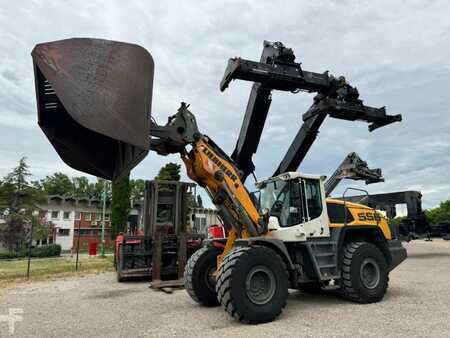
(395, 52)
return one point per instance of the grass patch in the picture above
(52, 267)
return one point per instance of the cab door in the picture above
(302, 214)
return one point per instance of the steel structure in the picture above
(415, 223)
(354, 168)
(277, 70)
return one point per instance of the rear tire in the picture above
(198, 276)
(252, 284)
(365, 273)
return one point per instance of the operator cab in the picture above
(296, 206)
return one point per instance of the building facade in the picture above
(78, 221)
(203, 218)
(73, 216)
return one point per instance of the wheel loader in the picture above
(94, 103)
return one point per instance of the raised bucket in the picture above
(94, 101)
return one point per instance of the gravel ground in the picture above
(417, 304)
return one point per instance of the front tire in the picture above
(199, 280)
(365, 273)
(252, 284)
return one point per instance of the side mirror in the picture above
(274, 224)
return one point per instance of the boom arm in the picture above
(352, 167)
(277, 70)
(256, 112)
(211, 168)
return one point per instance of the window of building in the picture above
(107, 217)
(55, 214)
(200, 223)
(66, 215)
(98, 216)
(63, 232)
(87, 216)
(77, 215)
(86, 232)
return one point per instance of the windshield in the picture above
(292, 202)
(276, 197)
(273, 192)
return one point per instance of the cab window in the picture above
(285, 201)
(313, 198)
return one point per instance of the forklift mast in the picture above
(277, 70)
(166, 203)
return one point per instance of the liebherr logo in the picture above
(219, 163)
(11, 318)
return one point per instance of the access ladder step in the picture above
(325, 259)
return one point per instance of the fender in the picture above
(375, 234)
(273, 243)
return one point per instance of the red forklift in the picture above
(160, 248)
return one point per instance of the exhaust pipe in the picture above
(94, 103)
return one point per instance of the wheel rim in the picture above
(210, 280)
(370, 273)
(260, 285)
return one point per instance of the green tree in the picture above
(19, 175)
(120, 206)
(170, 172)
(137, 189)
(58, 184)
(40, 230)
(100, 186)
(18, 200)
(440, 213)
(81, 186)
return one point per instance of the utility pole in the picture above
(30, 244)
(78, 244)
(102, 252)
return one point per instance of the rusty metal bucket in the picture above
(94, 102)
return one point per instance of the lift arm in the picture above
(354, 168)
(209, 166)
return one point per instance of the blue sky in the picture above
(396, 53)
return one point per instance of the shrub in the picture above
(8, 255)
(51, 250)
